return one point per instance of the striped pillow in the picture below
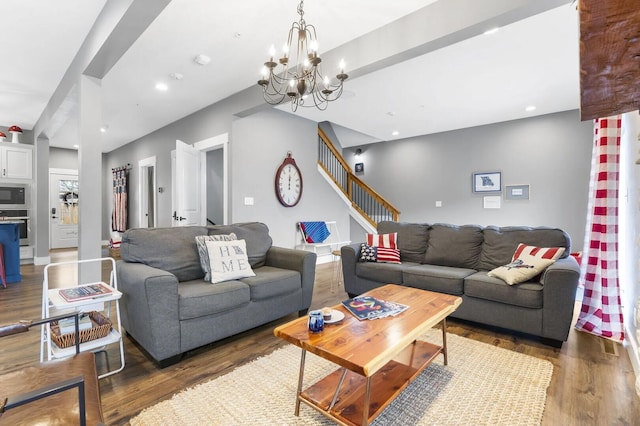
(387, 255)
(552, 253)
(383, 240)
(378, 254)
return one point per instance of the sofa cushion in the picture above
(482, 286)
(500, 243)
(442, 279)
(412, 238)
(272, 282)
(389, 273)
(456, 246)
(171, 249)
(199, 298)
(255, 234)
(205, 263)
(228, 260)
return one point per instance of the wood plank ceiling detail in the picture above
(609, 57)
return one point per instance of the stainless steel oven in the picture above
(22, 217)
(14, 196)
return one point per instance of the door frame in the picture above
(216, 142)
(143, 207)
(56, 171)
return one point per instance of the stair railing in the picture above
(371, 205)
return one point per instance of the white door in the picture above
(187, 193)
(63, 209)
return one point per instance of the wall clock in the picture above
(288, 182)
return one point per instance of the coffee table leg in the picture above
(367, 397)
(444, 340)
(300, 376)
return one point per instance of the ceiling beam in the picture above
(609, 57)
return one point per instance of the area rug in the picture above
(482, 385)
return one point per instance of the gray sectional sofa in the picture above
(169, 309)
(455, 260)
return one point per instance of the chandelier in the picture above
(300, 80)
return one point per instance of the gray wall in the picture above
(551, 153)
(215, 170)
(60, 158)
(258, 145)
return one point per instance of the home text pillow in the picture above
(521, 269)
(228, 260)
(204, 254)
(553, 253)
(378, 254)
(383, 240)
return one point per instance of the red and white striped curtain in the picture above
(120, 194)
(601, 312)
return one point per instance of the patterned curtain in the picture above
(601, 312)
(120, 191)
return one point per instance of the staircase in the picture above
(367, 207)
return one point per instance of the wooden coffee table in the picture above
(378, 358)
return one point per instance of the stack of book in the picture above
(367, 307)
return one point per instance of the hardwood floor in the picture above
(589, 386)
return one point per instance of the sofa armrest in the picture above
(297, 260)
(560, 282)
(150, 308)
(349, 255)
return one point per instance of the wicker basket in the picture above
(101, 327)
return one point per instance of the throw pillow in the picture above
(378, 254)
(521, 269)
(228, 260)
(367, 253)
(553, 253)
(204, 254)
(383, 240)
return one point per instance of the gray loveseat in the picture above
(168, 308)
(455, 260)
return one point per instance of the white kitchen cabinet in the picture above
(16, 161)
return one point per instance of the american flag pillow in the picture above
(383, 240)
(552, 253)
(378, 254)
(387, 255)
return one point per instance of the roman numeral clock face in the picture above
(288, 182)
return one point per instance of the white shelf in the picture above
(53, 301)
(112, 337)
(58, 302)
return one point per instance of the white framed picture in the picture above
(487, 182)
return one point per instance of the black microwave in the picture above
(14, 196)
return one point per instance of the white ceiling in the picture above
(484, 79)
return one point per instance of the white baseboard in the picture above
(42, 260)
(633, 349)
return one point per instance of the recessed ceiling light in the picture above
(491, 31)
(76, 146)
(103, 129)
(395, 133)
(391, 114)
(176, 76)
(202, 59)
(162, 87)
(530, 108)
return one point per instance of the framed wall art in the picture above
(516, 192)
(487, 182)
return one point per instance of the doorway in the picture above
(147, 212)
(213, 185)
(63, 208)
